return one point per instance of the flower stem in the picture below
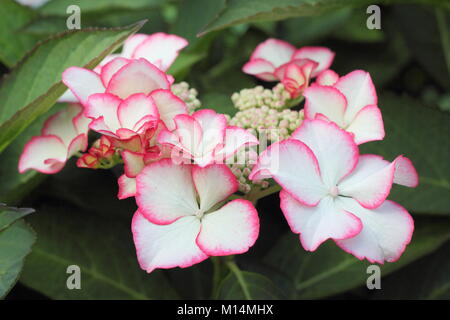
(240, 278)
(217, 268)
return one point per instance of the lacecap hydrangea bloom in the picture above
(196, 174)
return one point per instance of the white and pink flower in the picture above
(160, 49)
(351, 103)
(332, 192)
(63, 135)
(205, 138)
(273, 55)
(179, 222)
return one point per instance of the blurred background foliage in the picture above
(78, 219)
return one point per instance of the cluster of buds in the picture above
(188, 95)
(102, 155)
(246, 160)
(275, 125)
(258, 97)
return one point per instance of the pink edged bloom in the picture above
(332, 192)
(351, 103)
(205, 138)
(160, 49)
(295, 76)
(63, 135)
(273, 54)
(121, 119)
(178, 223)
(120, 77)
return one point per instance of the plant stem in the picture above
(217, 265)
(240, 278)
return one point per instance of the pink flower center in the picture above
(334, 191)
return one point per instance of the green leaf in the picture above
(425, 39)
(13, 43)
(102, 248)
(15, 245)
(59, 7)
(423, 135)
(244, 11)
(248, 286)
(35, 84)
(428, 278)
(238, 11)
(194, 15)
(45, 26)
(304, 30)
(330, 270)
(9, 215)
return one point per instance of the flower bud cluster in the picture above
(275, 124)
(241, 168)
(275, 98)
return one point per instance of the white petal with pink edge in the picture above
(334, 148)
(127, 187)
(323, 56)
(103, 105)
(133, 163)
(260, 68)
(370, 182)
(134, 109)
(327, 101)
(319, 223)
(327, 78)
(293, 165)
(405, 173)
(61, 124)
(109, 69)
(160, 48)
(367, 125)
(204, 179)
(235, 139)
(232, 229)
(166, 246)
(166, 192)
(386, 231)
(40, 149)
(358, 88)
(139, 76)
(169, 106)
(275, 51)
(131, 43)
(82, 82)
(213, 126)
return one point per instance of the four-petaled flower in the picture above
(331, 192)
(271, 57)
(180, 222)
(63, 135)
